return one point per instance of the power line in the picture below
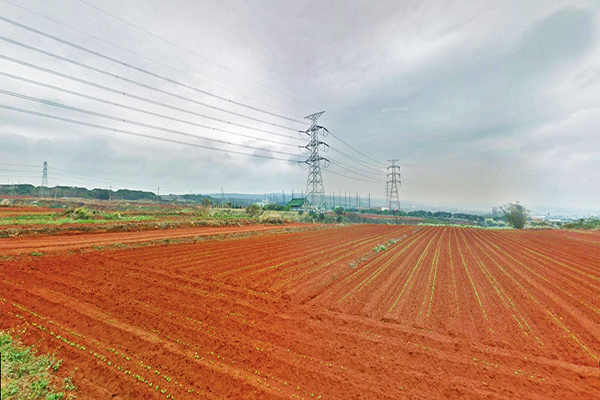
(112, 75)
(350, 169)
(137, 109)
(106, 116)
(337, 163)
(356, 160)
(358, 151)
(144, 99)
(17, 170)
(131, 122)
(22, 165)
(122, 63)
(195, 54)
(49, 116)
(168, 93)
(152, 88)
(350, 177)
(140, 55)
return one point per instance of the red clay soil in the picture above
(25, 245)
(15, 211)
(441, 313)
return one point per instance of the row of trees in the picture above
(78, 192)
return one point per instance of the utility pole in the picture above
(44, 187)
(392, 185)
(315, 191)
(109, 195)
(158, 195)
(369, 200)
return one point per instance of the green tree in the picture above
(338, 211)
(515, 215)
(206, 202)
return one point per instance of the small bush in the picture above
(253, 210)
(82, 213)
(271, 218)
(110, 216)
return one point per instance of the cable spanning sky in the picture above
(483, 103)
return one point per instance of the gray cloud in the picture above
(483, 103)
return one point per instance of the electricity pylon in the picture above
(392, 186)
(315, 191)
(44, 191)
(387, 193)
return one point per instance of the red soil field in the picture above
(318, 314)
(82, 240)
(16, 211)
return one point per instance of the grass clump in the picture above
(27, 376)
(82, 213)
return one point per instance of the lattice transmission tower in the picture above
(387, 193)
(392, 186)
(44, 191)
(315, 191)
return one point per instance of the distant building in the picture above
(297, 204)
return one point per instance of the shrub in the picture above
(253, 210)
(82, 213)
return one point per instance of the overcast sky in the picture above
(482, 102)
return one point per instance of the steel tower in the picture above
(44, 191)
(392, 186)
(315, 191)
